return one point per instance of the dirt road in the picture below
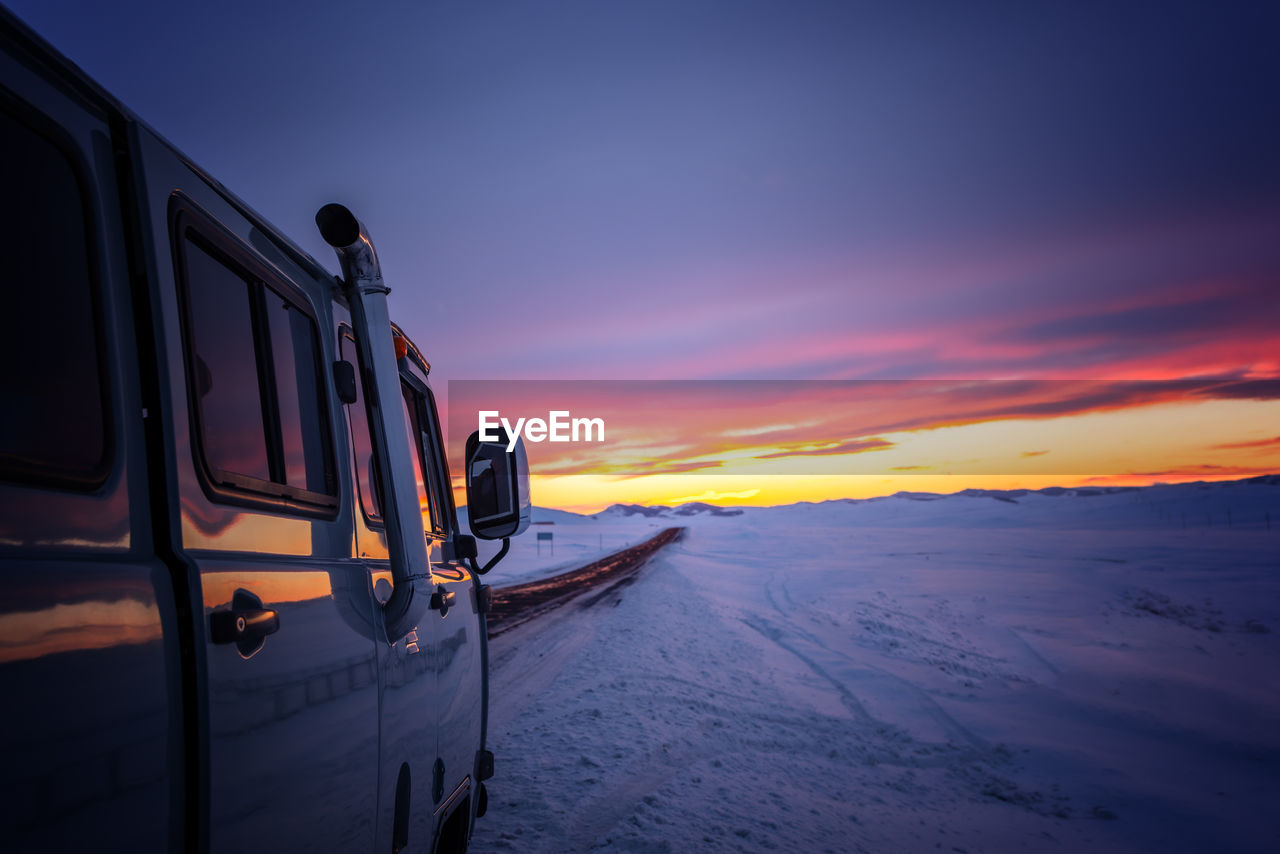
(519, 603)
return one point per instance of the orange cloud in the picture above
(1257, 443)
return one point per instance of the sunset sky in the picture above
(728, 191)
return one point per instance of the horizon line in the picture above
(1200, 479)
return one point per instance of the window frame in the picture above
(22, 473)
(426, 423)
(435, 473)
(189, 223)
(411, 396)
(373, 521)
(448, 512)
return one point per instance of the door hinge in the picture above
(484, 764)
(437, 781)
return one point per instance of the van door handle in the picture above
(442, 600)
(246, 624)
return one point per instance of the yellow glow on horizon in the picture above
(711, 495)
(774, 490)
(1170, 442)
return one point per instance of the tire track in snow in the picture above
(808, 649)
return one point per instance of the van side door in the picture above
(288, 696)
(459, 663)
(406, 668)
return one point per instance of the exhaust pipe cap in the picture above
(338, 226)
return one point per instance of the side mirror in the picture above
(498, 503)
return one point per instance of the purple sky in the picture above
(745, 189)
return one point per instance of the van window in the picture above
(417, 424)
(235, 439)
(293, 349)
(253, 357)
(54, 425)
(414, 432)
(361, 445)
(438, 469)
(421, 433)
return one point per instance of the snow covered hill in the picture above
(692, 508)
(1069, 672)
(1252, 504)
(1242, 503)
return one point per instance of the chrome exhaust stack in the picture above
(366, 295)
(349, 238)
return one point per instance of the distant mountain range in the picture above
(1004, 496)
(693, 508)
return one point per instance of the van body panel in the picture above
(293, 735)
(407, 692)
(90, 729)
(86, 724)
(458, 659)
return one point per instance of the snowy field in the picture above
(974, 673)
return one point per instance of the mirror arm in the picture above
(493, 561)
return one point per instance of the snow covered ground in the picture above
(972, 673)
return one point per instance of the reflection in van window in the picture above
(437, 469)
(297, 388)
(411, 399)
(362, 447)
(256, 381)
(226, 367)
(53, 426)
